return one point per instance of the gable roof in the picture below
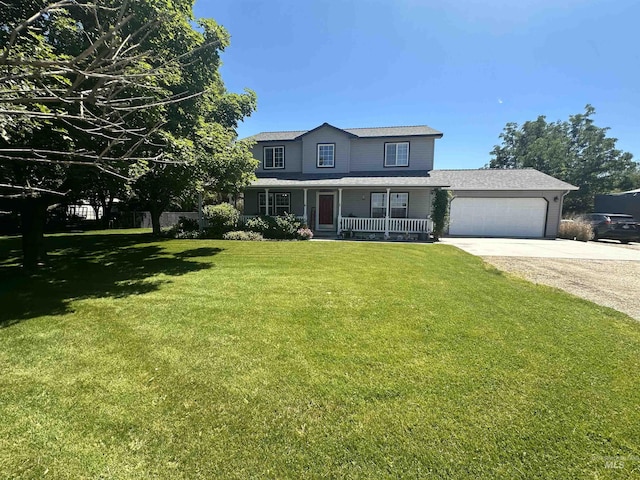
(406, 131)
(325, 124)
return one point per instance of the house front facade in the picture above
(382, 181)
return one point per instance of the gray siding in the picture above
(292, 157)
(367, 154)
(326, 135)
(554, 208)
(358, 202)
(351, 154)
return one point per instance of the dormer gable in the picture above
(325, 125)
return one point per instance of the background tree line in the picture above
(576, 151)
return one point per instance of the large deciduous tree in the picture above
(115, 87)
(207, 156)
(576, 151)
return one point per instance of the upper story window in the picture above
(326, 155)
(396, 154)
(273, 157)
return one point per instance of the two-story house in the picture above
(382, 180)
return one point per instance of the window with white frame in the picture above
(279, 203)
(396, 154)
(378, 205)
(326, 154)
(398, 205)
(273, 157)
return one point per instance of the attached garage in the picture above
(498, 217)
(503, 202)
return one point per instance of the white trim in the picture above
(304, 212)
(339, 209)
(264, 157)
(386, 163)
(325, 227)
(333, 155)
(386, 217)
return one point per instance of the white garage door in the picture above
(498, 217)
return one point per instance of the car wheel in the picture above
(595, 235)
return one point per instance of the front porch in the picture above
(349, 212)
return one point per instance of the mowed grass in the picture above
(137, 358)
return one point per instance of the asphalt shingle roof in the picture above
(500, 179)
(406, 131)
(348, 181)
(482, 179)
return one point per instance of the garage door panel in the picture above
(498, 217)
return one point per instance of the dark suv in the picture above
(615, 226)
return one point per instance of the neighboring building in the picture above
(623, 202)
(381, 180)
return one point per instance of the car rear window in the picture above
(627, 226)
(621, 218)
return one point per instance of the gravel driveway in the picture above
(611, 283)
(603, 272)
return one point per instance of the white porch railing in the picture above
(396, 225)
(356, 224)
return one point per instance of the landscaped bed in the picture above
(137, 358)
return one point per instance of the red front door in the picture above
(325, 210)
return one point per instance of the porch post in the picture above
(386, 216)
(304, 212)
(266, 201)
(339, 211)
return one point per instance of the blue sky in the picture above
(463, 67)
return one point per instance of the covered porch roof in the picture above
(526, 179)
(353, 180)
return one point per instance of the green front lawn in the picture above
(137, 358)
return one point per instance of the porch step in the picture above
(324, 234)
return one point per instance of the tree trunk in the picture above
(155, 219)
(107, 204)
(33, 216)
(96, 210)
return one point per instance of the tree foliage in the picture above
(94, 95)
(440, 212)
(576, 151)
